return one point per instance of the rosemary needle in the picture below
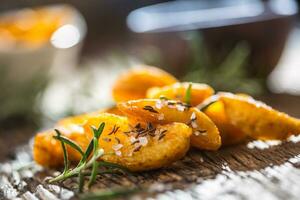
(188, 94)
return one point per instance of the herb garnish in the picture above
(88, 164)
(188, 94)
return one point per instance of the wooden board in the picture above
(253, 170)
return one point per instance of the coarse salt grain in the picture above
(161, 116)
(193, 116)
(116, 147)
(194, 124)
(118, 153)
(180, 108)
(197, 133)
(143, 141)
(132, 139)
(158, 104)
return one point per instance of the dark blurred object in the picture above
(263, 25)
(37, 43)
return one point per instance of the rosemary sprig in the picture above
(88, 160)
(188, 94)
(67, 141)
(83, 163)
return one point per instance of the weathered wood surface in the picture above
(242, 171)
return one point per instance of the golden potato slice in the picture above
(77, 119)
(134, 83)
(230, 134)
(205, 133)
(82, 118)
(113, 110)
(138, 148)
(177, 91)
(142, 148)
(257, 119)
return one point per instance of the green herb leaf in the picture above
(81, 169)
(98, 132)
(66, 159)
(80, 182)
(188, 94)
(69, 142)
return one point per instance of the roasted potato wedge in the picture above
(205, 133)
(122, 143)
(134, 83)
(177, 91)
(230, 134)
(258, 120)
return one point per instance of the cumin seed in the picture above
(113, 130)
(138, 126)
(137, 148)
(106, 139)
(116, 130)
(150, 109)
(161, 136)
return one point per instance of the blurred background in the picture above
(58, 59)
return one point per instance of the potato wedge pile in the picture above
(154, 125)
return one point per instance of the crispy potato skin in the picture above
(164, 113)
(134, 83)
(257, 119)
(155, 154)
(82, 118)
(177, 91)
(230, 134)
